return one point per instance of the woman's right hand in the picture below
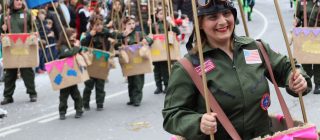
(4, 27)
(208, 124)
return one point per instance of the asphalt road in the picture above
(39, 121)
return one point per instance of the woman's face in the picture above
(131, 24)
(160, 15)
(218, 27)
(17, 4)
(117, 6)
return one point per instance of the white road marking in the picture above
(265, 26)
(5, 133)
(52, 116)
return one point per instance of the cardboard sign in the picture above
(306, 43)
(137, 64)
(100, 64)
(159, 50)
(20, 50)
(66, 72)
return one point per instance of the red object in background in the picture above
(178, 21)
(93, 5)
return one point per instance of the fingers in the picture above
(297, 83)
(208, 124)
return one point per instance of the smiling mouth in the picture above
(223, 29)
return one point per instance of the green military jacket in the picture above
(132, 38)
(17, 21)
(312, 12)
(100, 38)
(238, 85)
(161, 28)
(64, 51)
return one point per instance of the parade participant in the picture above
(15, 24)
(99, 36)
(115, 15)
(237, 80)
(312, 15)
(65, 51)
(250, 4)
(51, 14)
(160, 70)
(82, 17)
(45, 31)
(135, 82)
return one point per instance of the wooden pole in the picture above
(4, 18)
(284, 32)
(305, 18)
(42, 46)
(140, 18)
(154, 12)
(149, 16)
(46, 37)
(243, 18)
(63, 30)
(165, 27)
(200, 51)
(170, 14)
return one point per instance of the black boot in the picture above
(129, 103)
(78, 115)
(316, 89)
(7, 101)
(158, 91)
(33, 98)
(62, 116)
(86, 107)
(99, 107)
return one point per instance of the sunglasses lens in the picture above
(203, 2)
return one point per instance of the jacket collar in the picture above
(238, 43)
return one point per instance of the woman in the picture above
(238, 83)
(312, 15)
(17, 15)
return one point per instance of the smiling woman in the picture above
(234, 65)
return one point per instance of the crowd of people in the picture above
(107, 25)
(111, 25)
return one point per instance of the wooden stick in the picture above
(154, 11)
(305, 21)
(284, 32)
(199, 45)
(165, 27)
(140, 18)
(149, 16)
(64, 32)
(42, 46)
(170, 14)
(46, 37)
(243, 18)
(4, 18)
